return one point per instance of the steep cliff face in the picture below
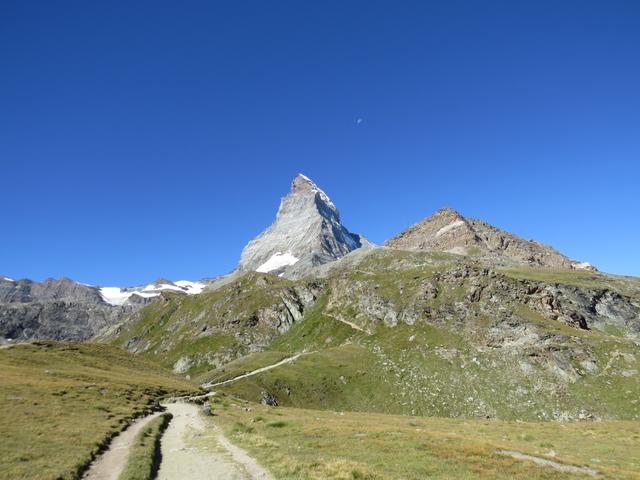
(306, 232)
(448, 231)
(62, 309)
(57, 320)
(57, 309)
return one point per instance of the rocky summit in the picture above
(448, 231)
(306, 232)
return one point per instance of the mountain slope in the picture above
(448, 231)
(306, 232)
(196, 333)
(414, 333)
(449, 337)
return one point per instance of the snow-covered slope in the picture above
(120, 296)
(306, 232)
(277, 261)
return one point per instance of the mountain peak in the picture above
(447, 212)
(302, 182)
(448, 231)
(304, 185)
(306, 232)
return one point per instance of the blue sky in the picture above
(145, 139)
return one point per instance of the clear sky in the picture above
(154, 138)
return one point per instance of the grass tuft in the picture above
(277, 424)
(144, 456)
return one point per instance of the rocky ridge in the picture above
(448, 231)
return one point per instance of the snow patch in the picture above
(193, 288)
(9, 279)
(277, 260)
(118, 296)
(451, 226)
(583, 266)
(114, 295)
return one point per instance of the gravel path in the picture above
(110, 464)
(347, 322)
(189, 450)
(256, 372)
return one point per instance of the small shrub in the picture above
(277, 424)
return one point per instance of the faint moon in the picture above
(359, 120)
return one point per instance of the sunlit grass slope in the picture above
(59, 402)
(310, 444)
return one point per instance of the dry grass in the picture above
(342, 445)
(60, 402)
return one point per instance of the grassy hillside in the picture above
(312, 444)
(196, 333)
(413, 333)
(629, 286)
(61, 401)
(427, 370)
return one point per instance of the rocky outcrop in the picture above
(459, 292)
(56, 320)
(55, 309)
(268, 399)
(306, 233)
(448, 231)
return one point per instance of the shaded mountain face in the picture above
(62, 309)
(448, 231)
(306, 232)
(58, 309)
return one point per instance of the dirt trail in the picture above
(195, 449)
(561, 467)
(347, 322)
(255, 372)
(110, 464)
